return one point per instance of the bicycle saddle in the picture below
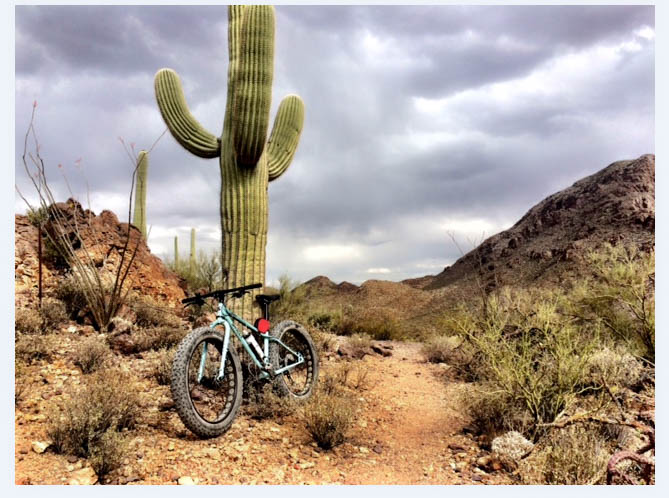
(267, 298)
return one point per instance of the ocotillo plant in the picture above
(139, 216)
(247, 162)
(191, 265)
(176, 253)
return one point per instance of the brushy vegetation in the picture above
(40, 321)
(348, 321)
(157, 338)
(149, 313)
(263, 403)
(30, 348)
(91, 355)
(576, 454)
(328, 417)
(538, 356)
(89, 423)
(205, 274)
(162, 370)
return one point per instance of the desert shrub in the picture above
(373, 323)
(20, 384)
(324, 341)
(53, 314)
(576, 454)
(529, 351)
(162, 370)
(493, 412)
(622, 296)
(89, 422)
(328, 417)
(157, 338)
(336, 378)
(292, 303)
(91, 355)
(264, 403)
(324, 320)
(359, 377)
(616, 368)
(27, 321)
(439, 349)
(32, 348)
(152, 314)
(71, 293)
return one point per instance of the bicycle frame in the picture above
(227, 318)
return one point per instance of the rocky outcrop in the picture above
(103, 239)
(616, 204)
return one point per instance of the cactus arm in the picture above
(181, 123)
(285, 135)
(253, 83)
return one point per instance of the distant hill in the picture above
(547, 245)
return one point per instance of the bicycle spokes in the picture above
(211, 394)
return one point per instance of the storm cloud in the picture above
(420, 121)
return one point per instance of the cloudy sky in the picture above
(420, 121)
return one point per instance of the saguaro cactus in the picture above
(176, 253)
(247, 162)
(192, 251)
(139, 216)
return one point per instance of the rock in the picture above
(40, 446)
(362, 449)
(382, 348)
(345, 350)
(170, 447)
(378, 449)
(512, 445)
(306, 465)
(119, 326)
(72, 458)
(83, 477)
(185, 481)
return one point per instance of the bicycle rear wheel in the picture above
(206, 405)
(299, 382)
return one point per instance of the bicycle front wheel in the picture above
(206, 404)
(299, 382)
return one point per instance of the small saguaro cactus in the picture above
(191, 262)
(176, 253)
(247, 160)
(139, 216)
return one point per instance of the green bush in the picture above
(292, 304)
(157, 338)
(530, 351)
(72, 295)
(621, 296)
(53, 314)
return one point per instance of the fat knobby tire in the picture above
(280, 331)
(179, 385)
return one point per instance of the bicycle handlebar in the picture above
(219, 294)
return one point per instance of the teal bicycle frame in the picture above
(226, 318)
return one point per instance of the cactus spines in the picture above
(139, 216)
(176, 253)
(191, 261)
(248, 162)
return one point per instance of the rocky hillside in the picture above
(616, 204)
(103, 236)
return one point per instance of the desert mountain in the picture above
(616, 204)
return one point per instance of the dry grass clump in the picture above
(149, 313)
(20, 384)
(89, 423)
(91, 355)
(263, 403)
(440, 349)
(328, 417)
(162, 370)
(576, 454)
(324, 341)
(27, 322)
(30, 348)
(157, 338)
(53, 314)
(616, 368)
(71, 293)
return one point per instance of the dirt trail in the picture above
(407, 431)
